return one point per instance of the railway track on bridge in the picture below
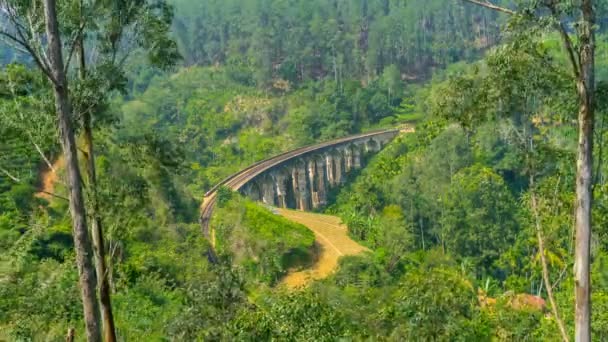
(237, 180)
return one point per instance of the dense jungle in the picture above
(485, 220)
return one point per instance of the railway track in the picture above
(237, 180)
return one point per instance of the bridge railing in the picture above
(306, 147)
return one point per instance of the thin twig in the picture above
(545, 269)
(491, 6)
(9, 175)
(561, 276)
(21, 41)
(54, 195)
(17, 180)
(75, 41)
(566, 41)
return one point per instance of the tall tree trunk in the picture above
(584, 72)
(584, 179)
(109, 331)
(82, 244)
(543, 260)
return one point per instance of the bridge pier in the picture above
(357, 157)
(371, 146)
(312, 177)
(380, 141)
(280, 179)
(268, 193)
(348, 158)
(321, 185)
(329, 164)
(300, 188)
(316, 175)
(339, 167)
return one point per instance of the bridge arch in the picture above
(301, 178)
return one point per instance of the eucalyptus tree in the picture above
(52, 34)
(34, 28)
(111, 31)
(517, 86)
(579, 47)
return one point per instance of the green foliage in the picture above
(360, 271)
(479, 219)
(297, 316)
(35, 311)
(445, 210)
(510, 324)
(264, 243)
(224, 195)
(223, 126)
(304, 40)
(436, 304)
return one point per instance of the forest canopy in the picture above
(110, 139)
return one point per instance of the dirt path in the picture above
(333, 240)
(48, 178)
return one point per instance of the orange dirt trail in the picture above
(48, 178)
(333, 241)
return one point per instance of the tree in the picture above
(102, 76)
(397, 237)
(582, 62)
(514, 89)
(26, 37)
(435, 303)
(391, 79)
(478, 222)
(77, 208)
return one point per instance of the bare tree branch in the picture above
(9, 175)
(566, 41)
(17, 180)
(54, 195)
(545, 269)
(13, 41)
(491, 6)
(543, 260)
(25, 47)
(72, 48)
(21, 39)
(46, 160)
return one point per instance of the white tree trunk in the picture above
(82, 244)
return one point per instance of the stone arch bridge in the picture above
(301, 178)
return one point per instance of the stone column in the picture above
(312, 175)
(329, 164)
(268, 191)
(304, 192)
(300, 189)
(321, 186)
(294, 185)
(279, 179)
(244, 190)
(339, 169)
(357, 158)
(348, 158)
(371, 146)
(379, 143)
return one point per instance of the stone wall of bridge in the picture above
(303, 182)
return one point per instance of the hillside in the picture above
(466, 229)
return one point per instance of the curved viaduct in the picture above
(299, 179)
